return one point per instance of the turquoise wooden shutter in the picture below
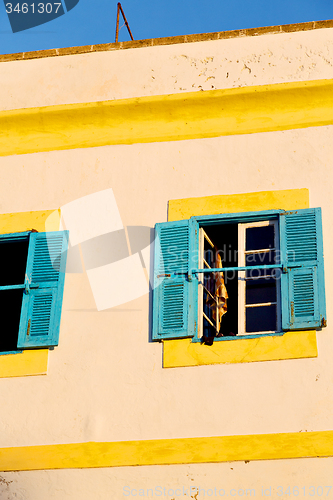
(42, 298)
(302, 279)
(175, 299)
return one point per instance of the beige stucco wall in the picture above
(168, 69)
(105, 381)
(251, 480)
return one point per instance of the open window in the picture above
(31, 289)
(239, 275)
(218, 291)
(239, 302)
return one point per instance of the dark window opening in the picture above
(259, 237)
(13, 261)
(11, 303)
(225, 240)
(261, 318)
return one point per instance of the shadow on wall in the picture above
(118, 259)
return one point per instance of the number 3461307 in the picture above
(33, 8)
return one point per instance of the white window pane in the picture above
(261, 319)
(260, 291)
(259, 237)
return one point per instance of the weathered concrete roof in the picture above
(286, 28)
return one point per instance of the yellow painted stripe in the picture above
(289, 199)
(168, 451)
(291, 345)
(24, 363)
(168, 118)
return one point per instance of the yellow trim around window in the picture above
(190, 115)
(41, 221)
(22, 364)
(285, 199)
(168, 451)
(291, 345)
(28, 362)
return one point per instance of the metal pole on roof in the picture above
(117, 24)
(120, 9)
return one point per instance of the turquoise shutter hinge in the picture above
(28, 285)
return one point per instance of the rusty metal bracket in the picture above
(120, 9)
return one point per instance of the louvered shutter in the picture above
(302, 280)
(42, 299)
(175, 298)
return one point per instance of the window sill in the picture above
(290, 345)
(242, 337)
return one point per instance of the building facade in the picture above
(119, 391)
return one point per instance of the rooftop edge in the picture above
(152, 42)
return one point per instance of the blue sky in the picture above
(93, 21)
